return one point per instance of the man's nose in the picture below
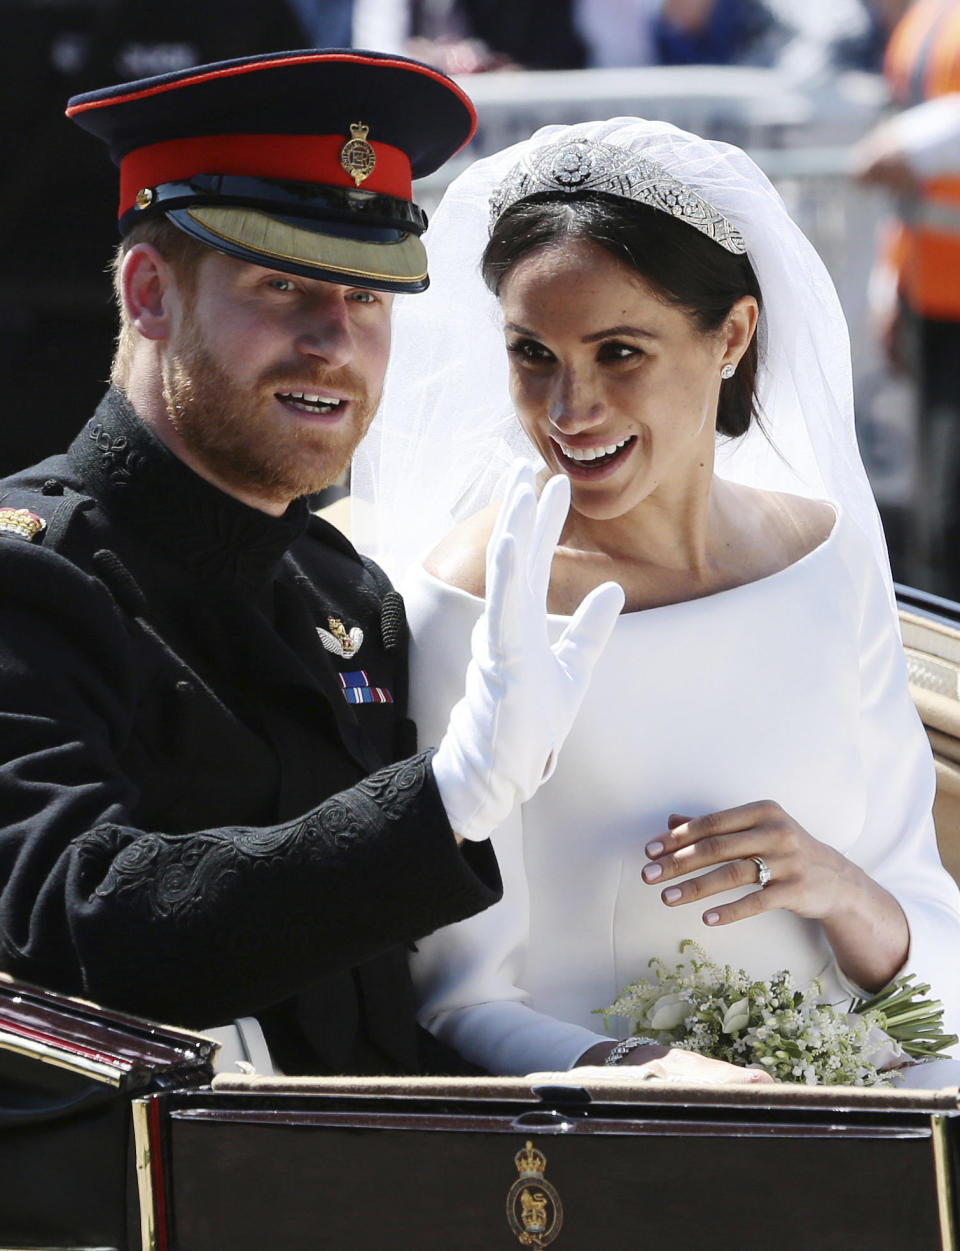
(324, 331)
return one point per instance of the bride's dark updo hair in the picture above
(679, 262)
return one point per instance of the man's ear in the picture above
(149, 290)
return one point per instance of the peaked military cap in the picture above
(299, 161)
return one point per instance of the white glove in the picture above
(522, 695)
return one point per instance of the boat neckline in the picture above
(767, 578)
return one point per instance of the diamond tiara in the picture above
(586, 165)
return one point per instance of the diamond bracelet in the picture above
(626, 1045)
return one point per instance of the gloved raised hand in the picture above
(522, 693)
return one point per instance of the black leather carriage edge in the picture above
(68, 1072)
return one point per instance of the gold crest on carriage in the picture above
(534, 1210)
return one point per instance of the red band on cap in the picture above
(298, 158)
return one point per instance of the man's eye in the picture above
(281, 284)
(362, 296)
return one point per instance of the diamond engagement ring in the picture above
(763, 871)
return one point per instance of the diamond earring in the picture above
(728, 371)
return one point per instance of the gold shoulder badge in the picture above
(22, 523)
(338, 639)
(357, 156)
(534, 1210)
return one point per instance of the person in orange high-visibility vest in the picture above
(916, 155)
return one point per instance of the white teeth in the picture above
(592, 453)
(325, 403)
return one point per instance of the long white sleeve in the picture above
(897, 844)
(466, 975)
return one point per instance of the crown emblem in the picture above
(530, 1162)
(357, 156)
(534, 1210)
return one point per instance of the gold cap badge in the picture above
(357, 156)
(18, 521)
(144, 197)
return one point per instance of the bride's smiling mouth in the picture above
(592, 461)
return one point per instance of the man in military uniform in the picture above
(211, 805)
(55, 306)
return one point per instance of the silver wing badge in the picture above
(338, 639)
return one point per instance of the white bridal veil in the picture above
(446, 432)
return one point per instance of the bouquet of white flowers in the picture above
(779, 1026)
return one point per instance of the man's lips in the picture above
(317, 403)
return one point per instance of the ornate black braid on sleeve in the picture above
(178, 873)
(202, 927)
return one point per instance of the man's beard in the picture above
(224, 425)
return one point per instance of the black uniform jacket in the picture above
(208, 803)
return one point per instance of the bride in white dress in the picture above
(747, 768)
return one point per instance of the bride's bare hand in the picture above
(863, 922)
(806, 876)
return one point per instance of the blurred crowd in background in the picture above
(824, 93)
(464, 36)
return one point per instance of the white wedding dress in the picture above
(790, 688)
